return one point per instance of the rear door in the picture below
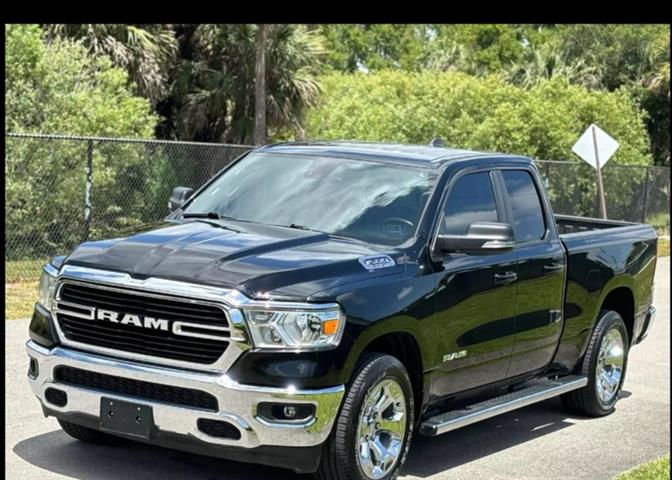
(540, 268)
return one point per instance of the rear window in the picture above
(528, 215)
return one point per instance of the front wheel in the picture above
(373, 431)
(604, 364)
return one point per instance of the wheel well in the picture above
(404, 348)
(622, 301)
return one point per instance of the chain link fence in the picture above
(60, 191)
(632, 193)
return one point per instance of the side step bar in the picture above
(537, 392)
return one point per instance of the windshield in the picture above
(369, 201)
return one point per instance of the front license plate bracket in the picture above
(127, 418)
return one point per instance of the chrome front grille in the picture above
(163, 326)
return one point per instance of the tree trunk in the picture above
(260, 86)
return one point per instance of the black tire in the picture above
(340, 458)
(586, 401)
(88, 435)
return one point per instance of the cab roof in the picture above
(418, 155)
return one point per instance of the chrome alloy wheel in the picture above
(609, 369)
(381, 429)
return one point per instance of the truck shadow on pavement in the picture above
(430, 456)
(57, 452)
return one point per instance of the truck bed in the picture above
(569, 224)
(581, 234)
(603, 255)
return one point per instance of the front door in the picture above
(475, 296)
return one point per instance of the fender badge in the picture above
(454, 355)
(376, 262)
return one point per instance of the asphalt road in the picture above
(537, 442)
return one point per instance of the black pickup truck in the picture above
(316, 304)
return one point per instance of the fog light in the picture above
(289, 412)
(286, 413)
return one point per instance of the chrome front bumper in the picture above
(237, 402)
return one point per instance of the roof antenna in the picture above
(436, 142)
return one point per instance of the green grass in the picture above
(659, 220)
(23, 270)
(21, 278)
(20, 299)
(663, 247)
(655, 470)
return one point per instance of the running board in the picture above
(538, 392)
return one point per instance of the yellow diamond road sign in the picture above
(585, 146)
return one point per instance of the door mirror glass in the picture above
(481, 237)
(179, 196)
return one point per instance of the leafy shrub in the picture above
(58, 88)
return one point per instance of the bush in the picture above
(59, 88)
(488, 114)
(469, 112)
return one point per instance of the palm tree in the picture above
(550, 61)
(656, 100)
(260, 86)
(449, 57)
(214, 90)
(658, 79)
(146, 51)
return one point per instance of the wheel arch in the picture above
(402, 344)
(621, 300)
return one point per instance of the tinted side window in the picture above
(528, 216)
(471, 199)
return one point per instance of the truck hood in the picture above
(261, 261)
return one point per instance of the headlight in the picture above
(47, 287)
(295, 330)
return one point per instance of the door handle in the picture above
(505, 278)
(554, 267)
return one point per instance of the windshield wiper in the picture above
(204, 217)
(212, 214)
(333, 235)
(302, 227)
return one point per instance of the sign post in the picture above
(600, 187)
(595, 145)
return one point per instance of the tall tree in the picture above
(354, 47)
(623, 52)
(484, 48)
(656, 98)
(548, 60)
(260, 86)
(146, 52)
(630, 57)
(213, 93)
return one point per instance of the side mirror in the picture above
(179, 196)
(481, 237)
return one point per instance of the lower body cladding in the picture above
(203, 413)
